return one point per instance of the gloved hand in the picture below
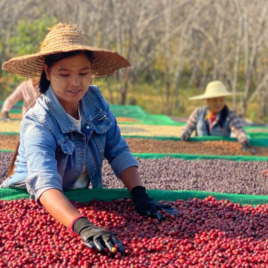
(185, 136)
(5, 117)
(94, 236)
(147, 206)
(246, 146)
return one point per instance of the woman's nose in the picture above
(75, 80)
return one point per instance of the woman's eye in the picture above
(84, 74)
(64, 75)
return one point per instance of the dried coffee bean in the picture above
(4, 163)
(181, 147)
(205, 175)
(8, 142)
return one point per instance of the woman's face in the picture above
(70, 78)
(216, 104)
(35, 81)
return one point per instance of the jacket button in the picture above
(87, 127)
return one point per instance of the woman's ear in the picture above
(47, 71)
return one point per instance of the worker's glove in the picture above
(245, 146)
(5, 117)
(147, 206)
(96, 237)
(185, 136)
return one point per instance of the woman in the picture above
(69, 130)
(26, 91)
(215, 119)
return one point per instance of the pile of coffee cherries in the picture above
(208, 233)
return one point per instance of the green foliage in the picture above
(8, 83)
(29, 36)
(26, 40)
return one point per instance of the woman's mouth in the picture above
(74, 91)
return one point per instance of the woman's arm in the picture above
(45, 183)
(131, 178)
(117, 151)
(125, 166)
(59, 207)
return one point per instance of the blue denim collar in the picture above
(88, 110)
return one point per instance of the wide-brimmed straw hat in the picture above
(65, 38)
(214, 89)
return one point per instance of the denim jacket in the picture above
(203, 128)
(52, 153)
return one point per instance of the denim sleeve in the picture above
(116, 149)
(40, 147)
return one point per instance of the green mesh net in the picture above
(85, 195)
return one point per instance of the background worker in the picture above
(26, 91)
(215, 119)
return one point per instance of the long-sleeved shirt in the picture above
(198, 122)
(26, 92)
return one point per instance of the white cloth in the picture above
(82, 180)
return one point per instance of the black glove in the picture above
(147, 206)
(5, 117)
(246, 146)
(185, 136)
(95, 236)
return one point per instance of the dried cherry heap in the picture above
(208, 233)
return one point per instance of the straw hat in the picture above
(214, 89)
(64, 38)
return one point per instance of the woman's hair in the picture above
(44, 84)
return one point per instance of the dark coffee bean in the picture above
(4, 163)
(205, 175)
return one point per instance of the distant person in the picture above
(26, 91)
(215, 119)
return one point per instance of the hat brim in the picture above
(104, 62)
(206, 96)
